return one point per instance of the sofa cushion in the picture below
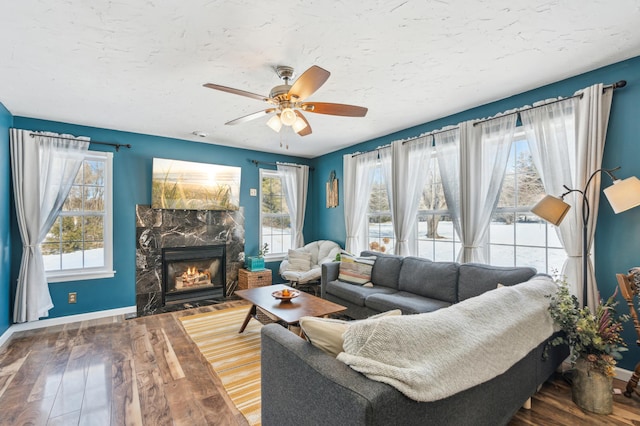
(434, 280)
(353, 293)
(355, 270)
(477, 278)
(408, 303)
(326, 333)
(385, 269)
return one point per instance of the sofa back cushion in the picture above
(476, 278)
(435, 280)
(386, 269)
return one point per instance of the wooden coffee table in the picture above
(288, 312)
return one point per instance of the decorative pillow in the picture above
(326, 333)
(299, 260)
(355, 270)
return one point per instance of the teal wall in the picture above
(132, 185)
(6, 122)
(617, 241)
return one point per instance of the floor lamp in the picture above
(622, 195)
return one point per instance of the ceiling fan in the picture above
(289, 100)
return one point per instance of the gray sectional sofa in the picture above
(415, 285)
(302, 385)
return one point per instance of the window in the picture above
(275, 223)
(79, 244)
(516, 236)
(380, 235)
(435, 235)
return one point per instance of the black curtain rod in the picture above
(117, 145)
(256, 162)
(614, 86)
(617, 85)
(377, 149)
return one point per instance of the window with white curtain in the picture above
(435, 236)
(79, 245)
(380, 235)
(275, 222)
(516, 236)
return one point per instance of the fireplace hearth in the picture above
(193, 273)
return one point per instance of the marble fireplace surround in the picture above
(159, 228)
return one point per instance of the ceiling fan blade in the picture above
(307, 130)
(251, 116)
(334, 109)
(236, 91)
(308, 82)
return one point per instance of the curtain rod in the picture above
(435, 132)
(377, 149)
(616, 85)
(117, 145)
(256, 162)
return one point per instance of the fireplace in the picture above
(193, 273)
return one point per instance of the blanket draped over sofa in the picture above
(484, 337)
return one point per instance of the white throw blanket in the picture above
(432, 356)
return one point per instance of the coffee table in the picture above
(288, 312)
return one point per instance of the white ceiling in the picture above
(139, 66)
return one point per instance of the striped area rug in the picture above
(234, 357)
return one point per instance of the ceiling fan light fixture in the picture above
(288, 117)
(299, 124)
(275, 123)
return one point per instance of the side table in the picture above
(252, 279)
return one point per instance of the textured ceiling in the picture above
(139, 66)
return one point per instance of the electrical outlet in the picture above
(73, 297)
(253, 192)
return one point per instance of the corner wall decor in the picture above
(332, 190)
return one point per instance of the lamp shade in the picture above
(552, 209)
(275, 123)
(623, 194)
(299, 124)
(288, 116)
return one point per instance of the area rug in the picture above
(235, 357)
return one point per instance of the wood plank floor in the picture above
(146, 371)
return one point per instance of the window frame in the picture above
(425, 213)
(381, 213)
(271, 256)
(105, 271)
(520, 136)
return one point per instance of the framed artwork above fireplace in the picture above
(187, 185)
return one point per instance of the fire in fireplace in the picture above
(193, 273)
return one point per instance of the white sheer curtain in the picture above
(484, 157)
(447, 147)
(567, 140)
(406, 166)
(592, 119)
(385, 155)
(358, 180)
(295, 182)
(550, 131)
(43, 169)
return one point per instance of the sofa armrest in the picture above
(330, 272)
(302, 385)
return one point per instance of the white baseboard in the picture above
(65, 320)
(623, 374)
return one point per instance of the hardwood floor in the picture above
(146, 371)
(143, 371)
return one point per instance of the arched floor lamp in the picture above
(622, 195)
